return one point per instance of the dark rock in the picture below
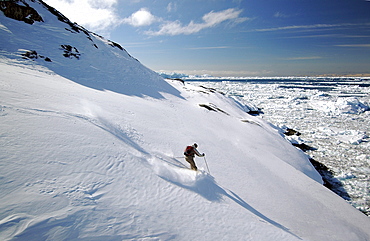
(178, 79)
(255, 113)
(212, 90)
(251, 122)
(207, 107)
(111, 43)
(329, 180)
(291, 132)
(70, 51)
(27, 14)
(62, 18)
(212, 107)
(30, 55)
(304, 147)
(34, 55)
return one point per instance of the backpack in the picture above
(188, 151)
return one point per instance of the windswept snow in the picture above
(91, 149)
(78, 163)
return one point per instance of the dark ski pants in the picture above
(190, 159)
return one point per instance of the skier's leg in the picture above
(192, 163)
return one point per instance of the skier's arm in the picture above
(197, 152)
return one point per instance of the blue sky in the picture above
(234, 37)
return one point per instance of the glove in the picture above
(203, 154)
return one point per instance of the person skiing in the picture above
(190, 152)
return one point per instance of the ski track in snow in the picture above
(203, 184)
(170, 169)
(85, 195)
(94, 184)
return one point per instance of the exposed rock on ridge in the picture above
(25, 13)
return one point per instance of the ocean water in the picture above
(332, 115)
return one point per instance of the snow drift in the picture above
(91, 149)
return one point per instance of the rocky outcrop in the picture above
(329, 181)
(34, 55)
(21, 11)
(212, 107)
(70, 52)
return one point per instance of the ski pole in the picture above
(206, 164)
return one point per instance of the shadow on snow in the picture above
(206, 186)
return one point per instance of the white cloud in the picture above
(96, 15)
(298, 27)
(101, 16)
(313, 26)
(210, 19)
(143, 17)
(280, 15)
(171, 7)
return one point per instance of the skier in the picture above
(190, 152)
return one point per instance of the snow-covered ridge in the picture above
(68, 48)
(91, 149)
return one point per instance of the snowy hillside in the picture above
(91, 149)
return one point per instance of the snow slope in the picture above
(91, 149)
